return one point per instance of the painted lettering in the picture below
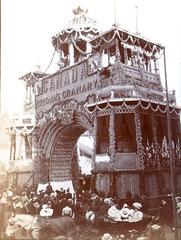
(59, 81)
(68, 94)
(64, 95)
(74, 75)
(82, 72)
(78, 89)
(84, 89)
(66, 78)
(52, 85)
(45, 87)
(73, 92)
(89, 86)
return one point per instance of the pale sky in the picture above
(27, 27)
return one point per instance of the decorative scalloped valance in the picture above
(21, 129)
(125, 37)
(131, 104)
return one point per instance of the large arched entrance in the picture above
(57, 158)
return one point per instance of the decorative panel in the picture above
(126, 161)
(61, 160)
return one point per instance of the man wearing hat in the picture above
(17, 205)
(67, 211)
(106, 236)
(46, 210)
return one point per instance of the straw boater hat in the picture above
(107, 200)
(106, 236)
(16, 198)
(3, 200)
(124, 211)
(137, 205)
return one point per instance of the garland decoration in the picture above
(102, 105)
(126, 37)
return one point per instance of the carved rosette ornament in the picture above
(62, 113)
(66, 116)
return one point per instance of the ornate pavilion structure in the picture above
(109, 84)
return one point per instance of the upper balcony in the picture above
(129, 67)
(119, 65)
(123, 81)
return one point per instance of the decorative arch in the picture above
(57, 148)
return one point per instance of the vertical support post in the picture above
(139, 140)
(14, 144)
(109, 57)
(48, 166)
(112, 150)
(125, 54)
(71, 54)
(94, 152)
(157, 155)
(140, 151)
(88, 48)
(115, 13)
(34, 157)
(155, 141)
(11, 147)
(170, 152)
(137, 23)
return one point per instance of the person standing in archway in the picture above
(49, 189)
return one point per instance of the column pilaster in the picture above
(140, 152)
(94, 153)
(112, 151)
(71, 54)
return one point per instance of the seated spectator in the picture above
(105, 206)
(9, 192)
(67, 211)
(25, 201)
(44, 199)
(46, 210)
(54, 200)
(4, 198)
(138, 215)
(17, 205)
(34, 206)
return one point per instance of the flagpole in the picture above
(115, 13)
(170, 152)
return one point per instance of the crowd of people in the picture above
(60, 202)
(87, 206)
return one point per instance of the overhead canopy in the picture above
(125, 37)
